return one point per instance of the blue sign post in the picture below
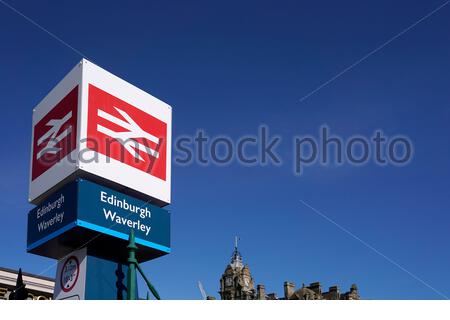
(88, 212)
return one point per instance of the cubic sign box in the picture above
(96, 125)
(83, 213)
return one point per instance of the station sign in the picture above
(85, 213)
(95, 125)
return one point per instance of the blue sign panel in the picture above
(85, 213)
(115, 213)
(54, 216)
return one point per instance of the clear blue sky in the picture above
(227, 67)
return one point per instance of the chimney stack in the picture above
(334, 293)
(260, 292)
(289, 289)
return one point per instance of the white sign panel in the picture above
(98, 125)
(70, 282)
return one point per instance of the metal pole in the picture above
(132, 262)
(149, 285)
(132, 266)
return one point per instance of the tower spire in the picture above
(236, 259)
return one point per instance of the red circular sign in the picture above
(69, 273)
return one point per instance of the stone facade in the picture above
(237, 283)
(314, 292)
(37, 287)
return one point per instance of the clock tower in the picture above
(236, 282)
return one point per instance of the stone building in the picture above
(37, 287)
(237, 283)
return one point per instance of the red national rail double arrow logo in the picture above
(126, 133)
(54, 136)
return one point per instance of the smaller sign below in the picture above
(70, 280)
(81, 276)
(85, 213)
